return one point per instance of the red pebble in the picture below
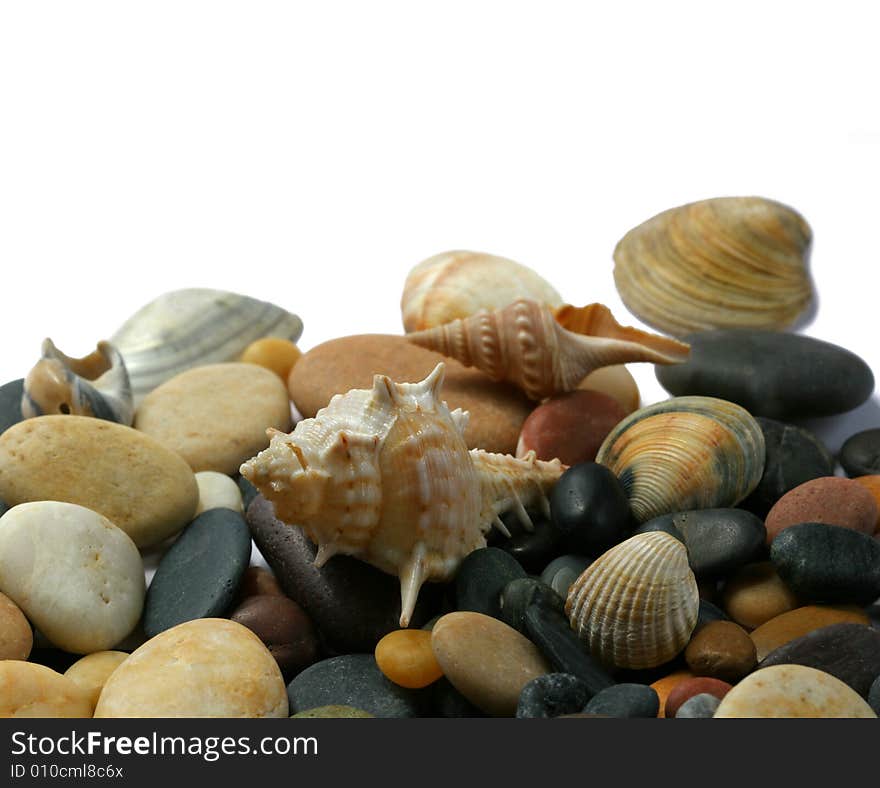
(686, 689)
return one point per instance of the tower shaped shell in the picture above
(384, 474)
(529, 344)
(685, 453)
(636, 605)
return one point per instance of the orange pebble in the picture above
(872, 485)
(406, 658)
(665, 685)
(273, 353)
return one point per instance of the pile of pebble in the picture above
(127, 551)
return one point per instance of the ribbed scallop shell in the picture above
(527, 344)
(455, 285)
(636, 605)
(722, 263)
(685, 453)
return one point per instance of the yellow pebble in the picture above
(92, 671)
(406, 658)
(273, 353)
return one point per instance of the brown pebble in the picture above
(686, 689)
(755, 593)
(829, 499)
(721, 650)
(258, 581)
(16, 636)
(796, 623)
(570, 426)
(616, 381)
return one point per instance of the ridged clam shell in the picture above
(722, 263)
(455, 285)
(636, 605)
(384, 474)
(527, 344)
(685, 453)
(186, 328)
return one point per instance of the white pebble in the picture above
(217, 491)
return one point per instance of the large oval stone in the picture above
(204, 668)
(497, 410)
(139, 485)
(779, 375)
(29, 690)
(796, 623)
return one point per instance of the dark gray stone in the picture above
(874, 695)
(449, 702)
(480, 579)
(625, 700)
(775, 374)
(561, 572)
(248, 491)
(533, 549)
(552, 695)
(354, 680)
(199, 574)
(10, 404)
(522, 592)
(699, 707)
(708, 613)
(860, 453)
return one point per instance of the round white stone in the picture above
(78, 578)
(217, 491)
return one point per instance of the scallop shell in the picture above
(384, 475)
(528, 344)
(722, 263)
(95, 385)
(636, 605)
(685, 453)
(182, 329)
(455, 285)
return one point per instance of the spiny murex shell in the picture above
(94, 385)
(182, 329)
(728, 262)
(685, 453)
(528, 344)
(384, 474)
(455, 285)
(636, 605)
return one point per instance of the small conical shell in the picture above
(685, 453)
(636, 605)
(455, 285)
(729, 262)
(528, 344)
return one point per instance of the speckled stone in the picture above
(519, 594)
(872, 485)
(561, 572)
(625, 700)
(721, 650)
(698, 707)
(552, 695)
(16, 637)
(332, 712)
(481, 577)
(30, 690)
(10, 403)
(860, 453)
(756, 593)
(798, 622)
(688, 688)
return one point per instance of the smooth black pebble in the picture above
(481, 577)
(10, 403)
(625, 700)
(533, 549)
(552, 695)
(860, 454)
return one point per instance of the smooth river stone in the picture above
(532, 549)
(406, 658)
(218, 491)
(199, 574)
(793, 455)
(10, 403)
(626, 701)
(486, 661)
(481, 577)
(722, 650)
(698, 707)
(860, 453)
(798, 622)
(779, 375)
(16, 637)
(755, 593)
(827, 563)
(353, 605)
(497, 410)
(216, 416)
(616, 381)
(687, 688)
(872, 485)
(792, 691)
(92, 671)
(78, 578)
(139, 485)
(210, 667)
(562, 571)
(30, 690)
(354, 680)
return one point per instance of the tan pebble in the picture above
(405, 657)
(139, 485)
(722, 650)
(31, 690)
(872, 485)
(16, 635)
(217, 491)
(616, 381)
(92, 671)
(793, 691)
(346, 712)
(209, 667)
(668, 683)
(273, 353)
(486, 661)
(216, 416)
(796, 623)
(755, 593)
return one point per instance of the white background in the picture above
(312, 153)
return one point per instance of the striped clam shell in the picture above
(685, 453)
(636, 605)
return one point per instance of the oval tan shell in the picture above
(528, 344)
(636, 605)
(384, 475)
(722, 263)
(455, 285)
(685, 453)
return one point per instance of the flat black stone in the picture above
(10, 404)
(552, 695)
(519, 594)
(775, 374)
(480, 579)
(794, 455)
(851, 652)
(860, 453)
(354, 680)
(533, 549)
(827, 563)
(625, 700)
(200, 573)
(717, 540)
(352, 604)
